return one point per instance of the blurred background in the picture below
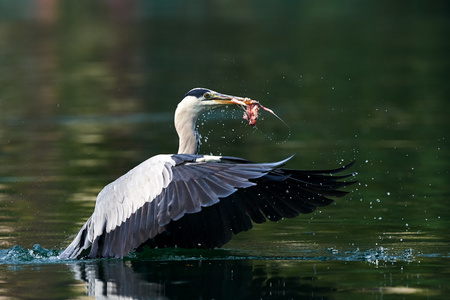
(88, 90)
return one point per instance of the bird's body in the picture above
(196, 201)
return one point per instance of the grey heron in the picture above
(197, 201)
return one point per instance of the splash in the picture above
(251, 108)
(20, 255)
(377, 256)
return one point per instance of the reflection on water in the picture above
(169, 280)
(233, 279)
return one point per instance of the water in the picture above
(224, 274)
(88, 91)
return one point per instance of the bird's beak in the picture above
(227, 99)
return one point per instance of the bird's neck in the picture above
(189, 138)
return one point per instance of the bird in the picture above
(189, 200)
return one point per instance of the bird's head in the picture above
(200, 99)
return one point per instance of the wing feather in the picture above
(196, 202)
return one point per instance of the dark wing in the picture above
(197, 201)
(280, 193)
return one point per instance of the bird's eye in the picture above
(207, 95)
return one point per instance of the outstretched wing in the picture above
(279, 193)
(196, 201)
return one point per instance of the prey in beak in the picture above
(249, 106)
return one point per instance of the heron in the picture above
(189, 200)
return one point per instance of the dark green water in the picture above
(88, 90)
